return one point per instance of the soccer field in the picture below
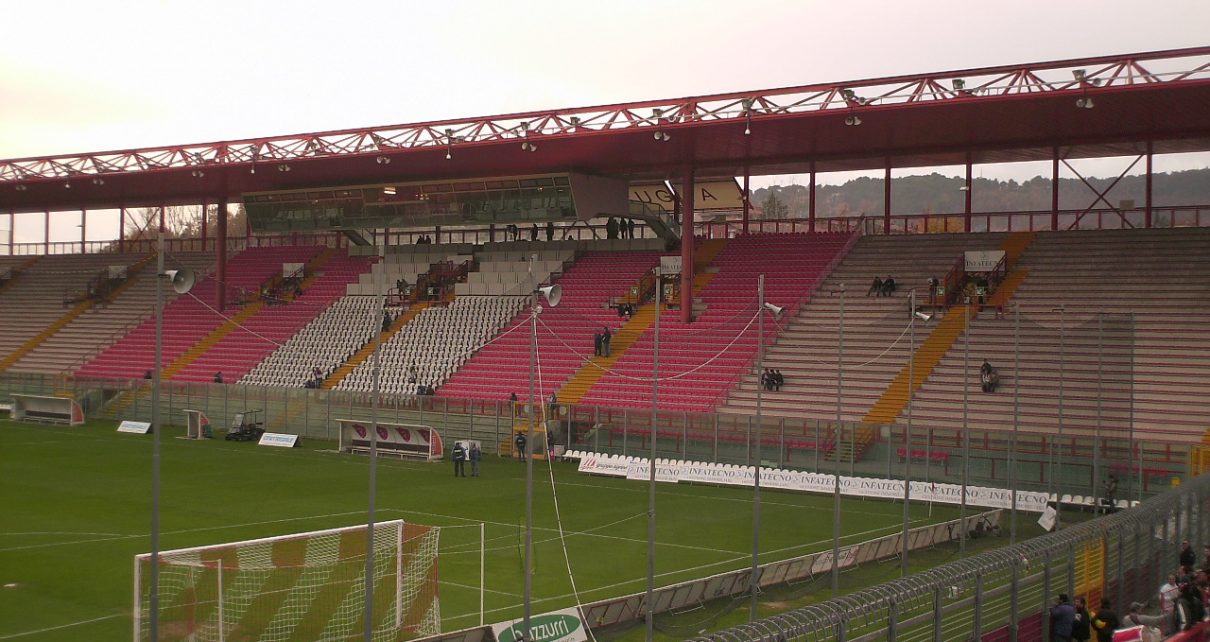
(77, 505)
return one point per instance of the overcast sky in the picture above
(94, 76)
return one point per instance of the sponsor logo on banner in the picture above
(559, 626)
(667, 473)
(278, 439)
(983, 260)
(597, 465)
(135, 427)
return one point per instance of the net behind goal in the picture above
(307, 586)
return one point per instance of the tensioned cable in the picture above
(554, 494)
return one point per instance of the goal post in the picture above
(291, 587)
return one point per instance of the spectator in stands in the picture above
(888, 286)
(386, 320)
(519, 443)
(533, 232)
(475, 455)
(218, 377)
(1190, 608)
(778, 379)
(147, 374)
(1081, 627)
(611, 228)
(875, 287)
(1062, 618)
(933, 283)
(550, 230)
(596, 344)
(458, 454)
(1187, 556)
(511, 232)
(1169, 593)
(766, 380)
(413, 374)
(1111, 493)
(630, 228)
(512, 403)
(1105, 622)
(989, 379)
(606, 335)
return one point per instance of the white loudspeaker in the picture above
(553, 294)
(182, 280)
(777, 310)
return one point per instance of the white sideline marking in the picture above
(56, 628)
(64, 533)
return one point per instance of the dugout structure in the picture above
(303, 586)
(399, 440)
(54, 410)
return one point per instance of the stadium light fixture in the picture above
(197, 173)
(959, 84)
(1084, 103)
(662, 136)
(747, 103)
(21, 188)
(852, 121)
(283, 168)
(383, 160)
(67, 185)
(529, 147)
(98, 181)
(449, 144)
(1080, 75)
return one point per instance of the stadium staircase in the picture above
(564, 332)
(932, 350)
(18, 266)
(574, 390)
(367, 350)
(78, 309)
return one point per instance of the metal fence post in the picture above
(937, 603)
(1014, 606)
(977, 609)
(892, 622)
(1046, 595)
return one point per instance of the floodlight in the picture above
(383, 160)
(1079, 75)
(21, 188)
(852, 121)
(529, 147)
(283, 168)
(98, 181)
(959, 84)
(197, 173)
(1084, 103)
(849, 94)
(66, 185)
(662, 136)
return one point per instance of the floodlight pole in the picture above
(154, 604)
(836, 455)
(966, 438)
(1012, 451)
(655, 395)
(529, 461)
(907, 439)
(380, 308)
(760, 368)
(1058, 464)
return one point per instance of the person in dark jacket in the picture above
(1105, 621)
(1187, 557)
(459, 457)
(1081, 626)
(1062, 618)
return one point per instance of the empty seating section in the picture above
(875, 342)
(88, 334)
(509, 272)
(564, 332)
(272, 326)
(699, 362)
(189, 319)
(43, 292)
(406, 262)
(432, 346)
(1158, 275)
(325, 343)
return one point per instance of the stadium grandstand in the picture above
(402, 267)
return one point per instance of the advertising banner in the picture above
(557, 626)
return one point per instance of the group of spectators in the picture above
(771, 379)
(625, 310)
(315, 381)
(882, 287)
(1185, 596)
(600, 342)
(424, 239)
(619, 228)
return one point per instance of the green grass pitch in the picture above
(77, 505)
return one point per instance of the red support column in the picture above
(747, 205)
(1147, 188)
(205, 207)
(220, 247)
(121, 229)
(1054, 190)
(811, 201)
(687, 195)
(886, 199)
(966, 211)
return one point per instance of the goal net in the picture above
(307, 586)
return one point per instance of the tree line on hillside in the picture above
(938, 194)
